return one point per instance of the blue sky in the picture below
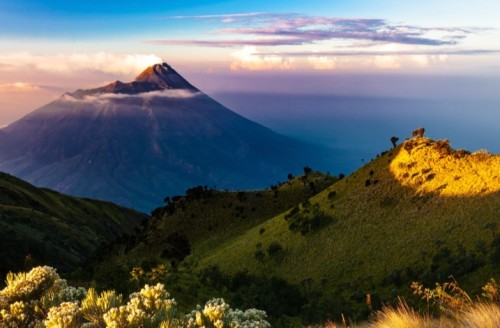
(49, 47)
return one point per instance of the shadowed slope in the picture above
(43, 226)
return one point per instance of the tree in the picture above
(394, 140)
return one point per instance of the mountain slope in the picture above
(421, 211)
(40, 226)
(206, 218)
(135, 143)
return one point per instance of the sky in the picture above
(380, 48)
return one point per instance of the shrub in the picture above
(217, 313)
(95, 306)
(274, 248)
(311, 219)
(23, 304)
(66, 315)
(260, 256)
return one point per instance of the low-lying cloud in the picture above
(105, 97)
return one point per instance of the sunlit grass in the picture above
(387, 214)
(444, 170)
(481, 315)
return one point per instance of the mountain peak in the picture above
(164, 76)
(154, 78)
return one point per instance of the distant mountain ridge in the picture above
(135, 143)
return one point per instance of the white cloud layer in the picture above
(105, 97)
(70, 63)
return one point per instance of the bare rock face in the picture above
(135, 143)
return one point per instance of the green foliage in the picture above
(113, 276)
(42, 226)
(260, 255)
(177, 247)
(310, 219)
(274, 248)
(276, 296)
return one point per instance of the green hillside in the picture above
(206, 218)
(421, 211)
(40, 226)
(315, 246)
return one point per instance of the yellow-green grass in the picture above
(384, 221)
(215, 218)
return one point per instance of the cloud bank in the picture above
(70, 63)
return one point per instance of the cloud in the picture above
(416, 52)
(19, 87)
(106, 97)
(264, 29)
(71, 63)
(249, 58)
(322, 62)
(387, 62)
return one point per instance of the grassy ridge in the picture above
(420, 211)
(42, 226)
(208, 218)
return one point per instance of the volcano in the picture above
(136, 143)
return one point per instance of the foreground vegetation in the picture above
(448, 306)
(40, 298)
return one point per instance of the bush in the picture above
(309, 220)
(33, 299)
(274, 248)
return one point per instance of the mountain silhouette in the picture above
(136, 143)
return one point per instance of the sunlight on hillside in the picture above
(434, 167)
